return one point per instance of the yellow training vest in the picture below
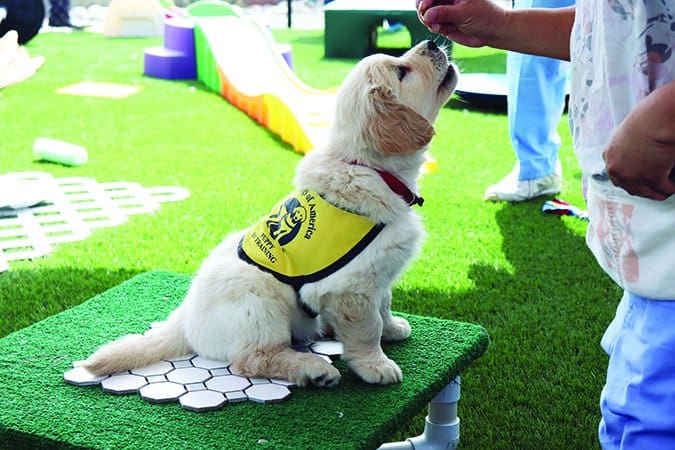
(305, 238)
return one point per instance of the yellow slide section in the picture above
(245, 65)
(256, 78)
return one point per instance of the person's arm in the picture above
(640, 157)
(476, 23)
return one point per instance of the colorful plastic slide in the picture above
(239, 58)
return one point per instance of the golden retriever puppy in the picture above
(328, 253)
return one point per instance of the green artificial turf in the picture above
(525, 276)
(40, 409)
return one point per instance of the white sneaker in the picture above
(510, 189)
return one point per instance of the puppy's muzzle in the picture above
(440, 58)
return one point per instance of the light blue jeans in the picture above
(535, 102)
(638, 400)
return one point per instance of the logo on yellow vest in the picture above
(304, 238)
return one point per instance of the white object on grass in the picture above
(69, 210)
(60, 152)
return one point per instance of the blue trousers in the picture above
(535, 102)
(638, 400)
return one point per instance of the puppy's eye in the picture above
(401, 72)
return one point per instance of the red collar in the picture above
(396, 185)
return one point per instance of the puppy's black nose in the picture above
(431, 45)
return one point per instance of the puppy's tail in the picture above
(165, 341)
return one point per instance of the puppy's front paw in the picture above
(396, 329)
(319, 373)
(377, 371)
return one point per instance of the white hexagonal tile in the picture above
(162, 392)
(328, 348)
(80, 376)
(199, 384)
(228, 383)
(188, 375)
(204, 363)
(159, 368)
(202, 401)
(267, 393)
(123, 383)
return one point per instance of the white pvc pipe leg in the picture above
(441, 427)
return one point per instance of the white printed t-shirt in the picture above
(621, 51)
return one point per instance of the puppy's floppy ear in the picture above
(394, 128)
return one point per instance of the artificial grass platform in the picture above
(39, 410)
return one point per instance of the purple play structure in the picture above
(176, 60)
